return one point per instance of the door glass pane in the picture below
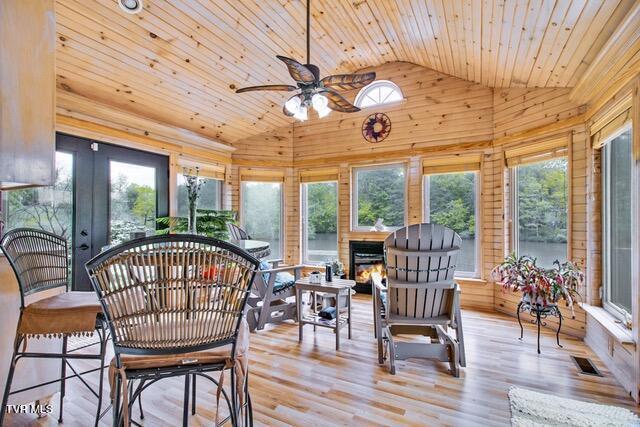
(617, 230)
(133, 200)
(321, 215)
(209, 197)
(262, 213)
(542, 211)
(44, 208)
(452, 203)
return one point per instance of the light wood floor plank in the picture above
(311, 384)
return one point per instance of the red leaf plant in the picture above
(542, 287)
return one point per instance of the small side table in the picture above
(540, 313)
(337, 288)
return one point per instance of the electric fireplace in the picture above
(365, 258)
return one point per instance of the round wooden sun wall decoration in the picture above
(376, 127)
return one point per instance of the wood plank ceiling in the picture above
(178, 62)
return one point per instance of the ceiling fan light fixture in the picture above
(301, 114)
(320, 104)
(293, 105)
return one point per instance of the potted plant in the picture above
(541, 288)
(210, 223)
(193, 184)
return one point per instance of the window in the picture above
(378, 194)
(617, 231)
(210, 195)
(319, 222)
(451, 200)
(45, 208)
(378, 92)
(261, 213)
(540, 210)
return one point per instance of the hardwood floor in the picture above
(309, 383)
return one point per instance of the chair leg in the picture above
(460, 338)
(391, 350)
(103, 351)
(116, 402)
(185, 404)
(7, 387)
(193, 395)
(63, 374)
(233, 411)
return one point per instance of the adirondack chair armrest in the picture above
(275, 263)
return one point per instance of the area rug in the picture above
(533, 409)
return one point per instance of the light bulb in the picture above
(293, 105)
(319, 102)
(301, 114)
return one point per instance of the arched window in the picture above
(378, 92)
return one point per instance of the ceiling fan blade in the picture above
(299, 72)
(282, 88)
(338, 103)
(348, 81)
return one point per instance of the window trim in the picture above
(426, 214)
(617, 312)
(282, 211)
(373, 85)
(513, 200)
(354, 196)
(304, 220)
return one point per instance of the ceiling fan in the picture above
(321, 94)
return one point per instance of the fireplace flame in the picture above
(364, 275)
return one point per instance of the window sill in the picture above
(470, 280)
(608, 322)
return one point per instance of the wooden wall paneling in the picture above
(518, 110)
(27, 88)
(615, 64)
(269, 149)
(81, 108)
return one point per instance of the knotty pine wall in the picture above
(440, 115)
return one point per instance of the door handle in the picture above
(83, 247)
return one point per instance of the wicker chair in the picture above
(237, 233)
(174, 307)
(40, 262)
(421, 296)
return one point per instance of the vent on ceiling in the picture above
(586, 366)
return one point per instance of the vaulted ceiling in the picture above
(179, 62)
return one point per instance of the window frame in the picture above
(616, 311)
(282, 211)
(354, 195)
(513, 199)
(374, 85)
(304, 220)
(426, 214)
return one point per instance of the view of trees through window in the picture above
(44, 208)
(133, 200)
(321, 233)
(209, 198)
(262, 213)
(380, 194)
(541, 197)
(617, 172)
(451, 201)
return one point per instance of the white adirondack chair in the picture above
(421, 297)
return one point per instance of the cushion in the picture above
(67, 313)
(283, 280)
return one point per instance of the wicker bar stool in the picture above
(40, 262)
(174, 306)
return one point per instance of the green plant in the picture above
(541, 286)
(211, 223)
